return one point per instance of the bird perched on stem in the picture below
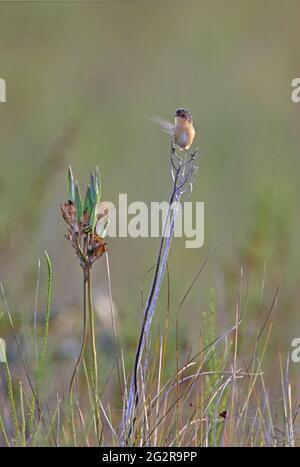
(182, 132)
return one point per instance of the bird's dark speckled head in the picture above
(185, 114)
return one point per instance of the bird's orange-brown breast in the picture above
(183, 134)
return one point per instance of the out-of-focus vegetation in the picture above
(81, 78)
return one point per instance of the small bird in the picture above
(182, 132)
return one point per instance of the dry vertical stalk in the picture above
(183, 171)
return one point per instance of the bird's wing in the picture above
(164, 124)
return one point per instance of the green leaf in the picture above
(88, 208)
(98, 184)
(87, 202)
(93, 218)
(2, 351)
(71, 186)
(93, 191)
(78, 203)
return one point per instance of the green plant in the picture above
(87, 227)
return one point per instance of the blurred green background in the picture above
(81, 78)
